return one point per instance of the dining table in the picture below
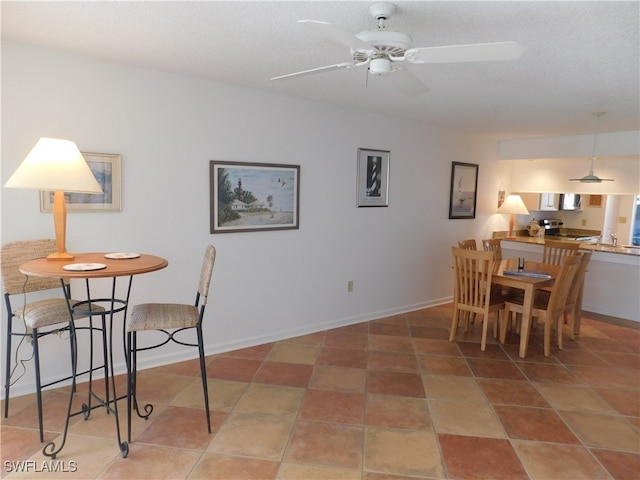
(88, 266)
(532, 277)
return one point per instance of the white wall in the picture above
(266, 285)
(553, 174)
(608, 144)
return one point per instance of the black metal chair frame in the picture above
(132, 357)
(35, 335)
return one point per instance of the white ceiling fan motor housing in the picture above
(387, 43)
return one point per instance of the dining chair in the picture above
(493, 245)
(472, 294)
(42, 317)
(170, 319)
(469, 244)
(554, 251)
(547, 308)
(573, 305)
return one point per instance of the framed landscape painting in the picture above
(249, 197)
(463, 193)
(106, 168)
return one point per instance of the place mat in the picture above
(122, 255)
(84, 267)
(527, 273)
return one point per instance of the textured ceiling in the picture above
(579, 57)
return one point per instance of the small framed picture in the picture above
(249, 197)
(595, 201)
(106, 168)
(373, 178)
(464, 186)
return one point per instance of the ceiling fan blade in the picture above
(407, 82)
(478, 52)
(328, 68)
(337, 35)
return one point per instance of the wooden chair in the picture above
(573, 305)
(46, 316)
(554, 251)
(473, 270)
(493, 245)
(469, 244)
(171, 319)
(548, 308)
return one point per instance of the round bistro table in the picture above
(87, 266)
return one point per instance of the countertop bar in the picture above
(613, 275)
(603, 247)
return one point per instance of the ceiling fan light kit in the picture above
(591, 178)
(387, 52)
(380, 66)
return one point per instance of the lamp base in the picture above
(512, 222)
(60, 256)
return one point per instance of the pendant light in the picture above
(591, 178)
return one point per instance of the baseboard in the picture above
(161, 357)
(620, 322)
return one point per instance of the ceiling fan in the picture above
(386, 51)
(591, 178)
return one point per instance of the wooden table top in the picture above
(43, 267)
(500, 278)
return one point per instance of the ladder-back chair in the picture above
(493, 245)
(548, 308)
(554, 251)
(469, 244)
(473, 270)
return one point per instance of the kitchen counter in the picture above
(594, 247)
(613, 274)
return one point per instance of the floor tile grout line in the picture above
(519, 365)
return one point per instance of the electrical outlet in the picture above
(350, 286)
(584, 222)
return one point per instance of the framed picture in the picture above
(373, 178)
(464, 185)
(249, 197)
(106, 169)
(595, 201)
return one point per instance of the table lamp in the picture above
(513, 205)
(56, 165)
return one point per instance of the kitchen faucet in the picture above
(614, 239)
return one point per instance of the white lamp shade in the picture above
(56, 165)
(513, 204)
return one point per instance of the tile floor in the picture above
(386, 399)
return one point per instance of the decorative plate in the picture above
(84, 267)
(122, 255)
